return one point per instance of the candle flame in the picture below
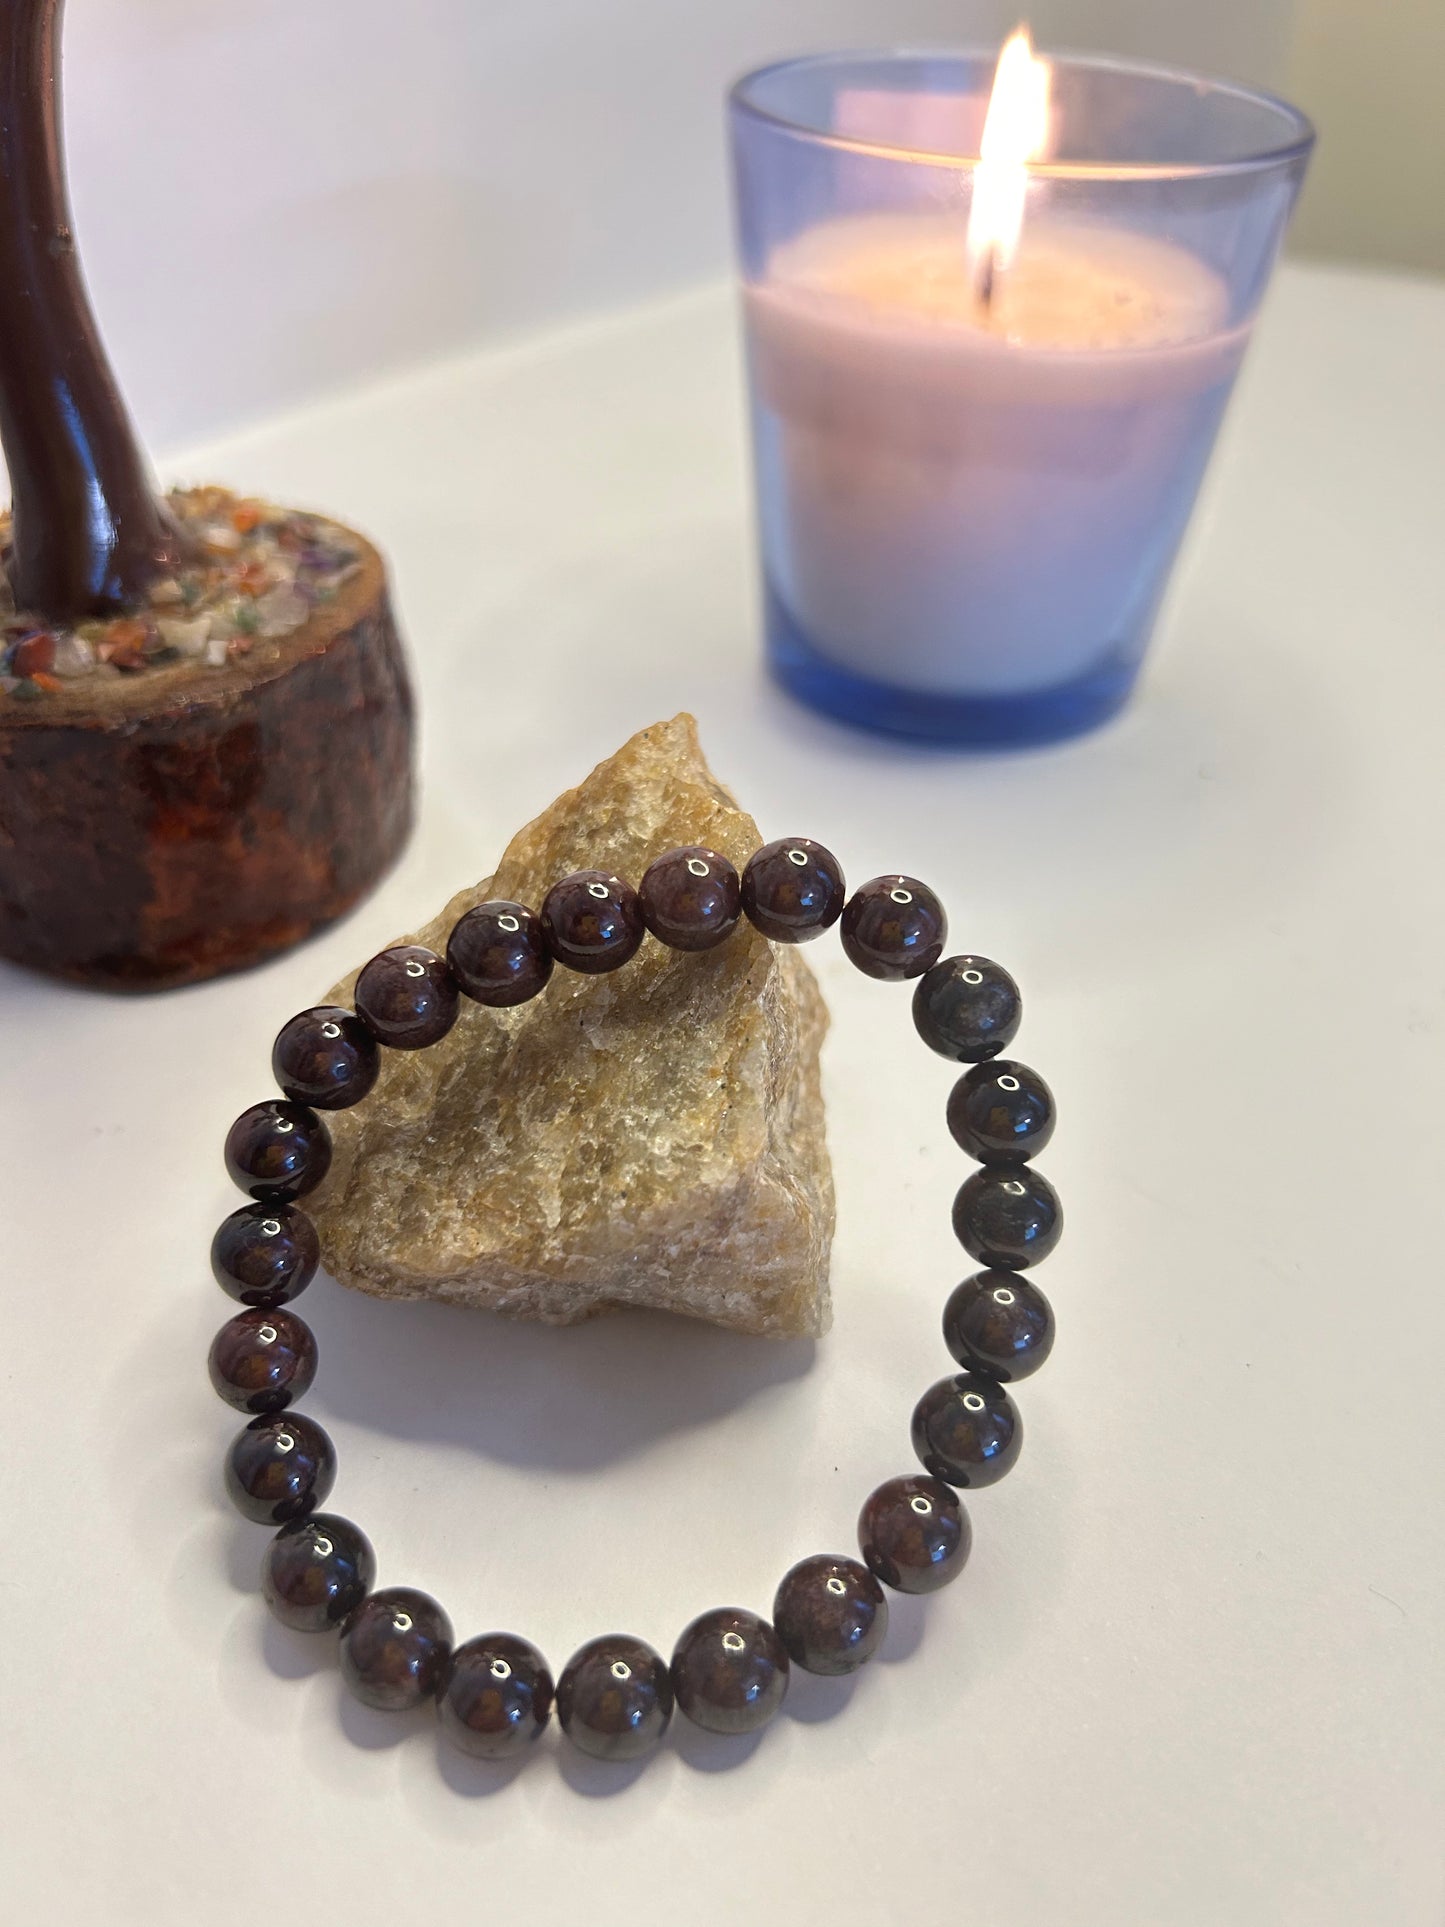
(1015, 131)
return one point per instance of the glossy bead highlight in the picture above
(261, 1360)
(265, 1254)
(894, 928)
(593, 921)
(1008, 1216)
(967, 1431)
(496, 1698)
(317, 1571)
(614, 1699)
(325, 1057)
(999, 1323)
(1001, 1112)
(967, 1009)
(278, 1150)
(793, 890)
(408, 997)
(498, 954)
(280, 1466)
(691, 898)
(830, 1613)
(914, 1534)
(395, 1649)
(729, 1671)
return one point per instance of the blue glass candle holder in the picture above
(968, 515)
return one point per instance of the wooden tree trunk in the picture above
(89, 531)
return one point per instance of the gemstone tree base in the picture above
(173, 826)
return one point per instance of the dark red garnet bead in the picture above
(280, 1467)
(831, 1614)
(593, 921)
(999, 1323)
(263, 1359)
(1008, 1216)
(265, 1254)
(793, 890)
(317, 1571)
(497, 1697)
(967, 1008)
(396, 1648)
(894, 928)
(498, 954)
(729, 1671)
(914, 1534)
(967, 1431)
(408, 997)
(691, 898)
(1001, 1112)
(614, 1699)
(278, 1150)
(325, 1057)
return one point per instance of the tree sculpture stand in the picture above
(205, 719)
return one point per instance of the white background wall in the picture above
(1372, 79)
(283, 198)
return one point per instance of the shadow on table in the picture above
(531, 1395)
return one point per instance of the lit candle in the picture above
(979, 440)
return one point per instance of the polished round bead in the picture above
(793, 890)
(691, 898)
(913, 1534)
(281, 1466)
(325, 1057)
(1007, 1216)
(263, 1359)
(614, 1699)
(317, 1571)
(1001, 1112)
(831, 1614)
(729, 1671)
(999, 1323)
(498, 954)
(894, 928)
(967, 1431)
(408, 997)
(497, 1697)
(967, 1009)
(278, 1150)
(265, 1254)
(593, 921)
(395, 1649)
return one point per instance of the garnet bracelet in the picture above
(730, 1670)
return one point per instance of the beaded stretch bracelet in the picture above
(730, 1670)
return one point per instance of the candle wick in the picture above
(987, 276)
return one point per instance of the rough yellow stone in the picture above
(649, 1137)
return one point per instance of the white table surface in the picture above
(1193, 1673)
